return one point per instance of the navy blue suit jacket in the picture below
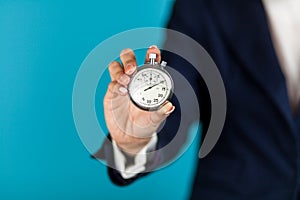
(258, 153)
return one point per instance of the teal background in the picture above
(42, 45)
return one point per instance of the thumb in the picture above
(161, 114)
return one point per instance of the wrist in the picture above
(131, 148)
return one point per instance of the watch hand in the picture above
(153, 86)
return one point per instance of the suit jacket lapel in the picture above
(245, 26)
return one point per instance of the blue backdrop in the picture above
(42, 44)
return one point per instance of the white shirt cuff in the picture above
(140, 159)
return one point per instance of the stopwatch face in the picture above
(150, 87)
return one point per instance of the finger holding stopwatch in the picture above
(114, 90)
(116, 73)
(161, 114)
(128, 59)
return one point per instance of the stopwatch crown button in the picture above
(152, 56)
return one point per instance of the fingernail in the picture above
(153, 46)
(125, 51)
(167, 107)
(124, 79)
(169, 112)
(130, 69)
(123, 90)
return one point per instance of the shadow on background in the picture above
(42, 45)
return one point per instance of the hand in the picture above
(130, 127)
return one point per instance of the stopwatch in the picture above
(151, 86)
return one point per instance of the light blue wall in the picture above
(42, 44)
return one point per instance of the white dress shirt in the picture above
(139, 161)
(284, 24)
